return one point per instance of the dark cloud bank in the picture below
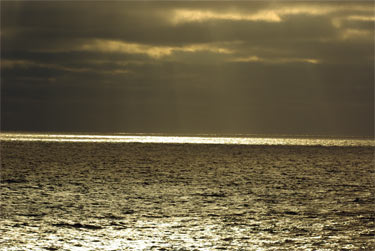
(189, 67)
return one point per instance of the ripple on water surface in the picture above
(131, 196)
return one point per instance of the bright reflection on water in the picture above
(204, 195)
(238, 140)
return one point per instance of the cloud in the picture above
(361, 18)
(112, 47)
(124, 47)
(150, 50)
(348, 34)
(219, 66)
(187, 15)
(275, 60)
(272, 13)
(30, 64)
(12, 64)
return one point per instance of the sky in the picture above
(187, 67)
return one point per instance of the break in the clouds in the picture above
(188, 67)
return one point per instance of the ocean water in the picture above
(85, 192)
(201, 139)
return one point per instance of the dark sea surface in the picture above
(100, 195)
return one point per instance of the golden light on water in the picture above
(238, 140)
(120, 196)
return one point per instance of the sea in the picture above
(191, 192)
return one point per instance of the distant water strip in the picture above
(184, 139)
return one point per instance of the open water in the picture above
(95, 193)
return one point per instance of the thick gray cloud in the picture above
(188, 67)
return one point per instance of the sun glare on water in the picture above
(184, 139)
